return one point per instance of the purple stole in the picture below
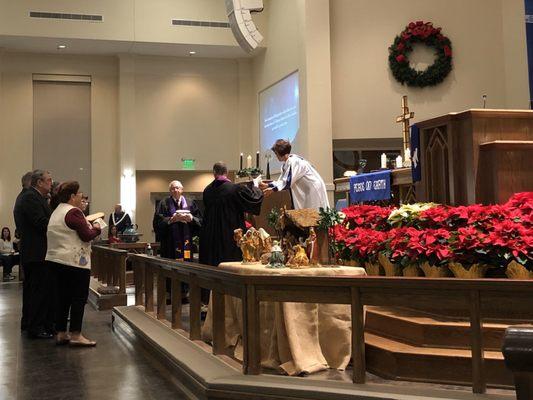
(180, 231)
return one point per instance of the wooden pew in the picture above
(108, 267)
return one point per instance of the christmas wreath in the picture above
(425, 33)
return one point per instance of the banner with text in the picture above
(370, 187)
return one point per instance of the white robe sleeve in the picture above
(293, 170)
(307, 187)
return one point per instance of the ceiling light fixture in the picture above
(61, 46)
(192, 53)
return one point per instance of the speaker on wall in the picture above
(242, 26)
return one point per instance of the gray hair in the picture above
(26, 179)
(176, 183)
(37, 175)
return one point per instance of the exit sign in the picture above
(188, 163)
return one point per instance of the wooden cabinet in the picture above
(450, 145)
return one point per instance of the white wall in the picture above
(488, 38)
(186, 107)
(147, 113)
(16, 123)
(298, 39)
(123, 20)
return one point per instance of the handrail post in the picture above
(358, 337)
(122, 274)
(218, 307)
(94, 263)
(148, 288)
(251, 329)
(109, 270)
(479, 384)
(176, 303)
(161, 295)
(138, 274)
(195, 308)
(116, 269)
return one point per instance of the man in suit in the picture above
(32, 213)
(26, 185)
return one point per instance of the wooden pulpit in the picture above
(454, 152)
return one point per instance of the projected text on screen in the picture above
(279, 112)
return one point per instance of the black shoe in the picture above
(43, 334)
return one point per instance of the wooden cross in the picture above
(404, 118)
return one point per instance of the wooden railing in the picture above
(479, 298)
(108, 266)
(137, 247)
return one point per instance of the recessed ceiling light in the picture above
(61, 46)
(192, 53)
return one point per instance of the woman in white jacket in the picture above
(69, 250)
(306, 186)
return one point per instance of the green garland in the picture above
(249, 172)
(425, 33)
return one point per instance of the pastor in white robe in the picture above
(307, 187)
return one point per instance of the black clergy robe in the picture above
(225, 204)
(122, 220)
(173, 236)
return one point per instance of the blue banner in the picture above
(416, 170)
(370, 187)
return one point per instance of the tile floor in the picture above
(37, 369)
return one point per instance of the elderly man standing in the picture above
(26, 185)
(173, 221)
(119, 218)
(32, 213)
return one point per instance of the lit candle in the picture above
(407, 156)
(383, 161)
(241, 162)
(249, 161)
(399, 163)
(257, 160)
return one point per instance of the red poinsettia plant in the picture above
(481, 216)
(409, 245)
(470, 246)
(522, 206)
(487, 234)
(367, 216)
(359, 244)
(510, 240)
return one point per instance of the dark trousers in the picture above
(40, 285)
(73, 290)
(8, 261)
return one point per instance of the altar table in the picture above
(298, 338)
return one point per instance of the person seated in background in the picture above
(85, 205)
(120, 219)
(112, 237)
(16, 241)
(8, 257)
